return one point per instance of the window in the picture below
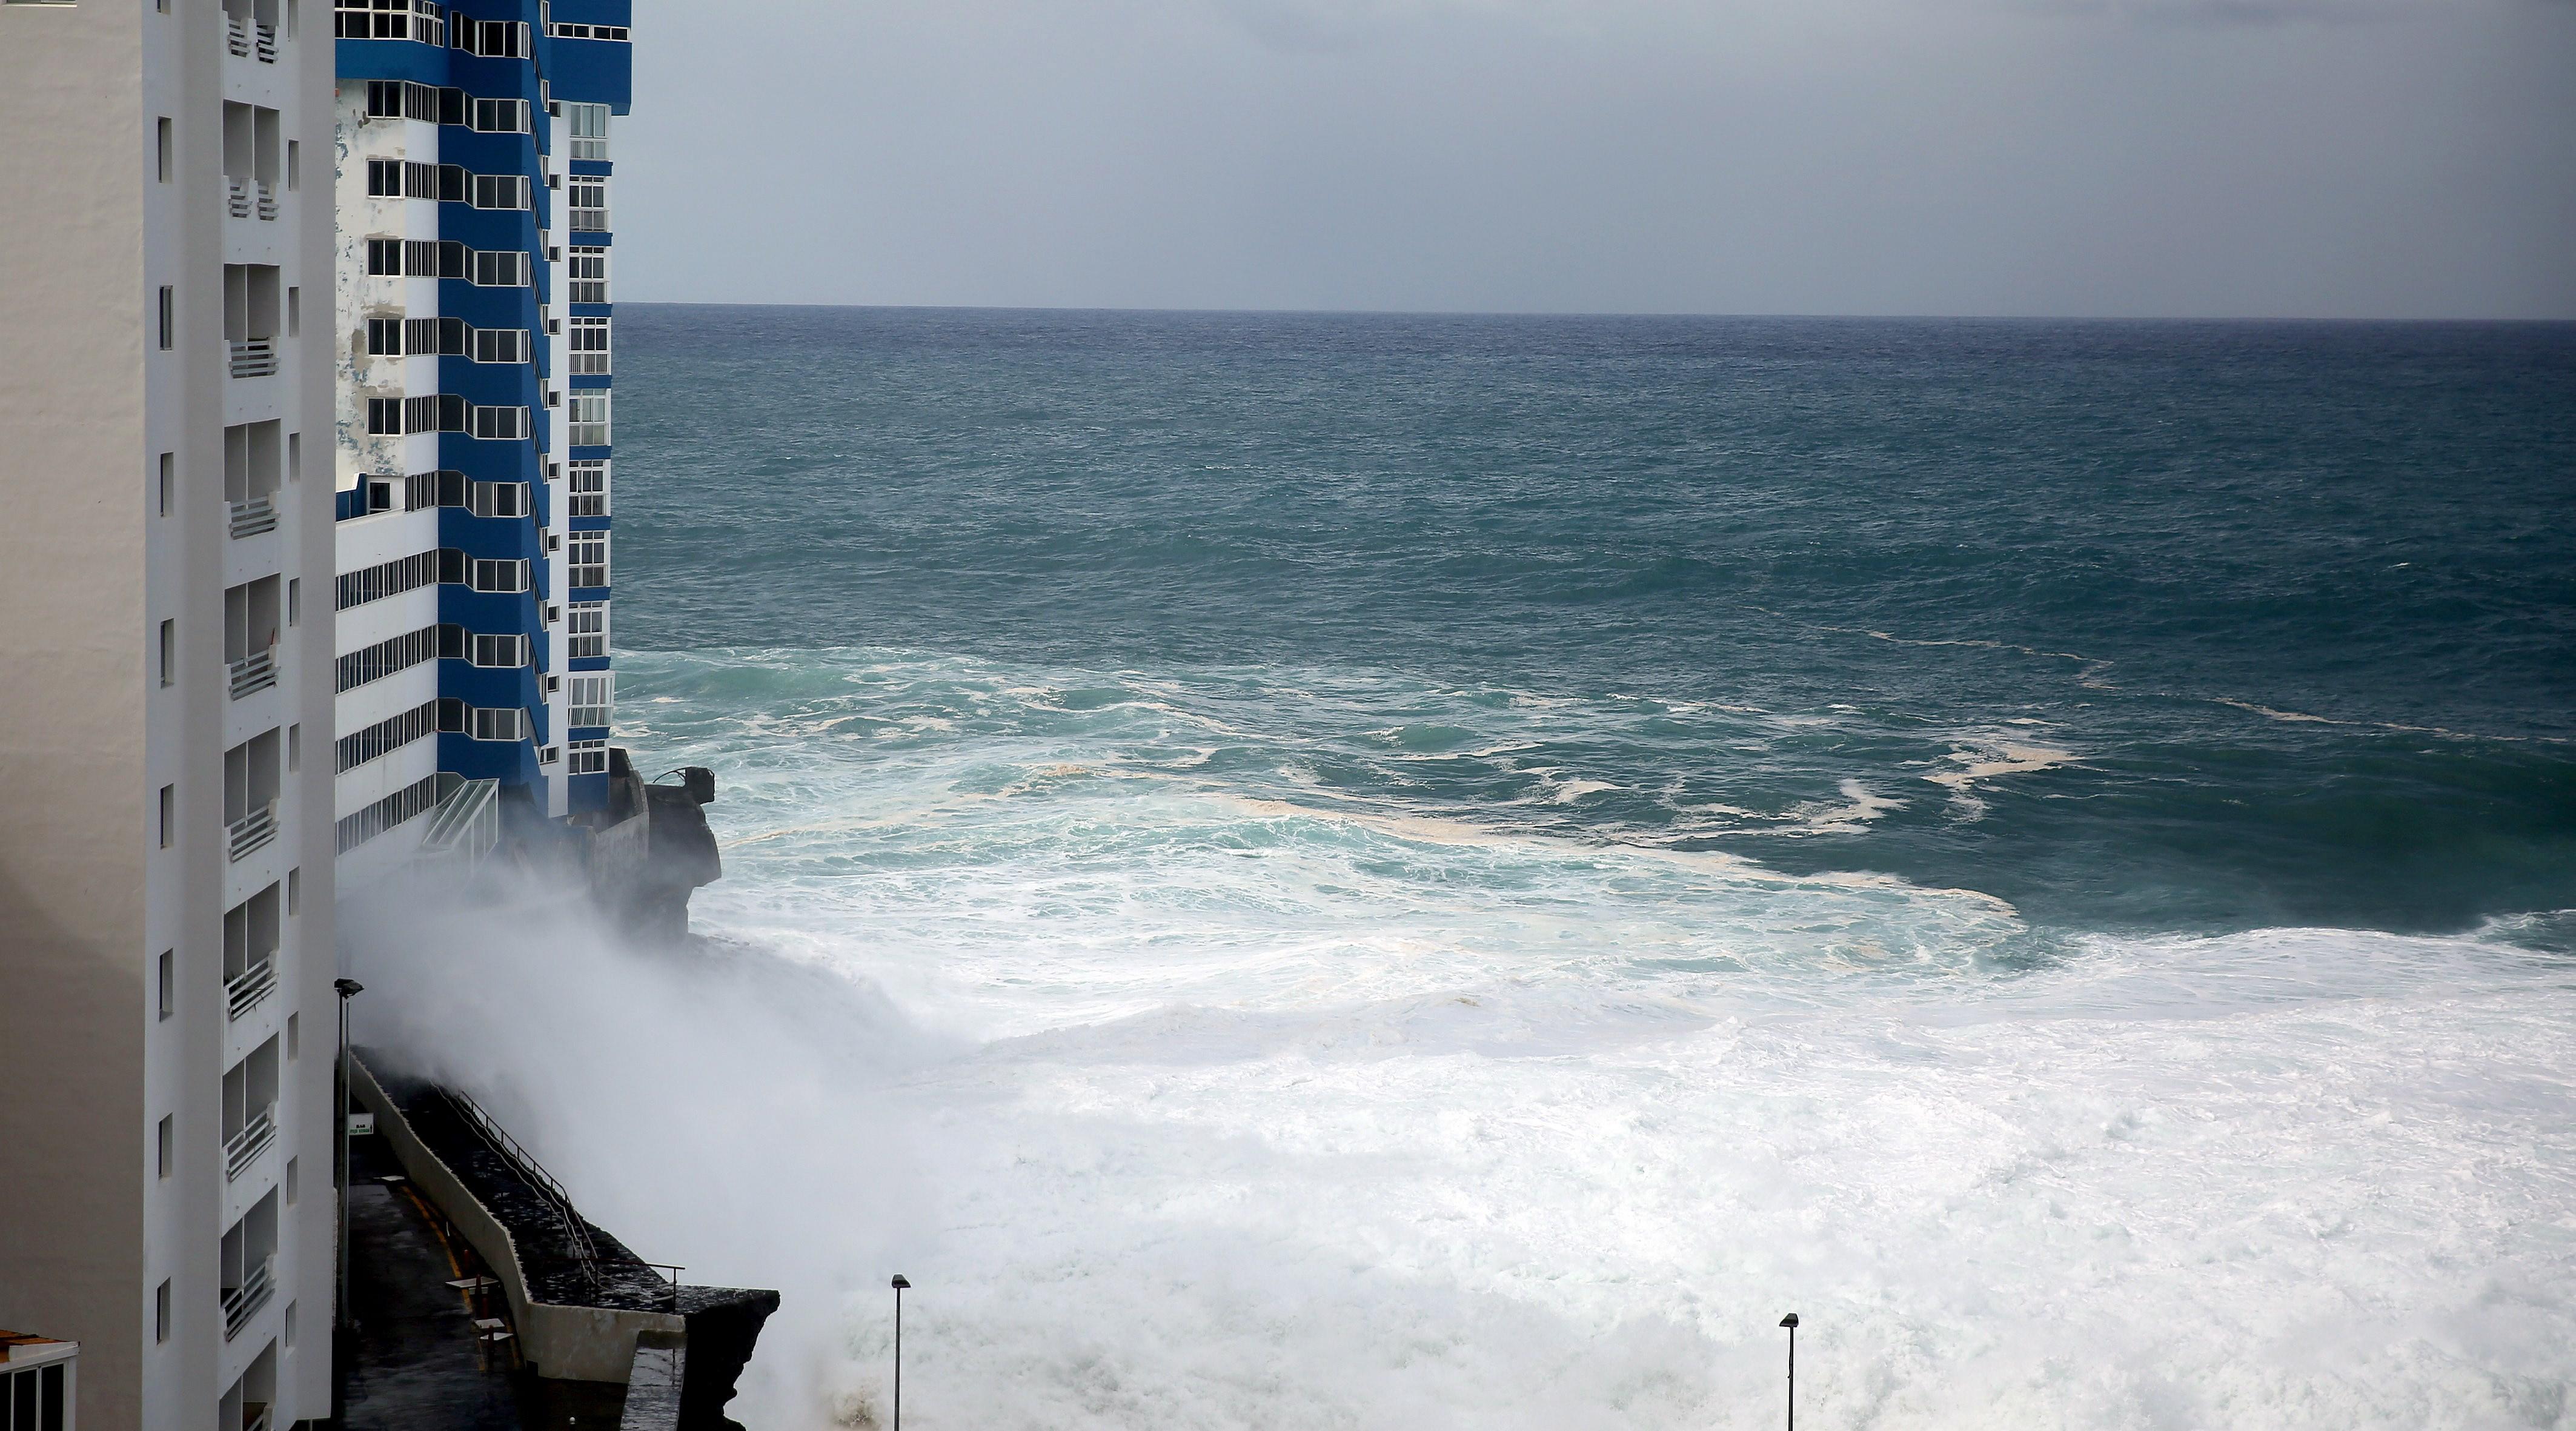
(501, 345)
(589, 700)
(385, 417)
(589, 482)
(294, 165)
(588, 557)
(586, 630)
(588, 196)
(501, 116)
(384, 178)
(357, 588)
(356, 829)
(385, 337)
(165, 1144)
(397, 653)
(500, 268)
(589, 340)
(504, 39)
(586, 757)
(169, 472)
(589, 126)
(498, 499)
(161, 1294)
(169, 316)
(506, 652)
(501, 191)
(290, 1307)
(498, 575)
(589, 413)
(384, 258)
(169, 652)
(169, 983)
(505, 424)
(294, 1042)
(386, 736)
(587, 32)
(163, 149)
(589, 274)
(421, 20)
(169, 813)
(496, 723)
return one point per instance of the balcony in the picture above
(254, 357)
(254, 672)
(254, 517)
(249, 40)
(250, 1142)
(251, 831)
(253, 1293)
(246, 990)
(267, 200)
(237, 196)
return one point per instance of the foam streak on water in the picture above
(1217, 1063)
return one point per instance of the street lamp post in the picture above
(1791, 1322)
(347, 989)
(899, 1285)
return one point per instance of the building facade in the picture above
(166, 861)
(472, 448)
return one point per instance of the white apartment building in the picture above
(167, 1017)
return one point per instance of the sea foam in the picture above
(1218, 1094)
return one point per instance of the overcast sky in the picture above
(2402, 158)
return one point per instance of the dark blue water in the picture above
(2267, 624)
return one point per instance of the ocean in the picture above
(1373, 871)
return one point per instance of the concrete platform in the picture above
(415, 1361)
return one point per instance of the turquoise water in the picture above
(1446, 871)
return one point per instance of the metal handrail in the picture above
(466, 823)
(252, 830)
(254, 672)
(253, 517)
(253, 1293)
(250, 1142)
(243, 991)
(533, 1173)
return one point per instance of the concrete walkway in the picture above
(413, 1363)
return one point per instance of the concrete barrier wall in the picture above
(565, 1343)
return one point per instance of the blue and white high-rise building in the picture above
(473, 453)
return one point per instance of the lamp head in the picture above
(900, 1283)
(1790, 1321)
(348, 987)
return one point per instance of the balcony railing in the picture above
(251, 831)
(237, 196)
(237, 35)
(250, 1142)
(254, 357)
(267, 199)
(265, 46)
(251, 518)
(244, 991)
(254, 1416)
(254, 672)
(253, 1293)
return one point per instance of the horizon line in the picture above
(1630, 313)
